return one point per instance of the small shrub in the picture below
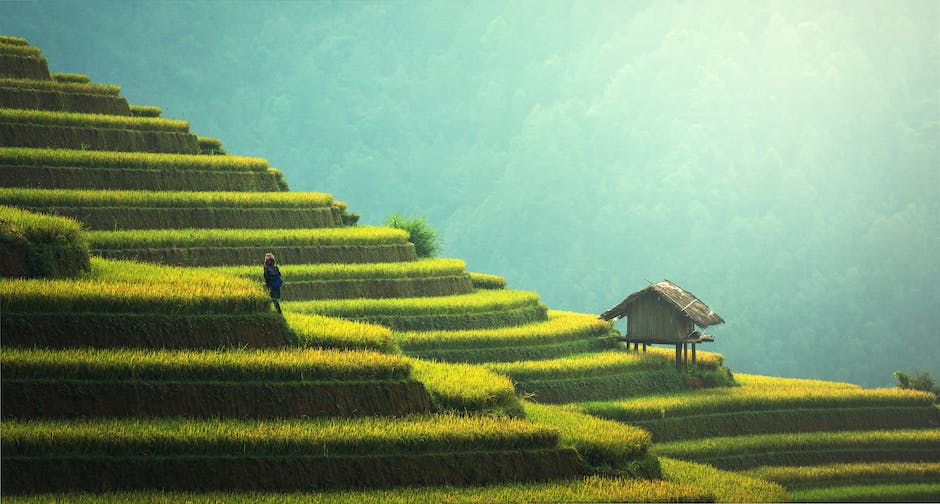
(425, 239)
(917, 381)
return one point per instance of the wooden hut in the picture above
(665, 313)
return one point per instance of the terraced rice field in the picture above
(242, 383)
(595, 376)
(585, 489)
(10, 156)
(146, 210)
(134, 376)
(183, 453)
(562, 334)
(755, 407)
(138, 305)
(318, 331)
(49, 118)
(67, 87)
(481, 309)
(809, 448)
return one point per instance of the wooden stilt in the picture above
(678, 357)
(644, 347)
(693, 354)
(636, 346)
(685, 357)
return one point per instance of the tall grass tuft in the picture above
(41, 246)
(427, 243)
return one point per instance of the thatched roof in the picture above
(684, 301)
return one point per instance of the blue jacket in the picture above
(270, 273)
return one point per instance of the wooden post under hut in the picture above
(665, 313)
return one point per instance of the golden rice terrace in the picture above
(143, 361)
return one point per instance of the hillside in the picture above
(141, 355)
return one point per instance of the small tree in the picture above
(919, 381)
(427, 243)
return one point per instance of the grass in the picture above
(128, 160)
(602, 444)
(126, 287)
(726, 486)
(189, 238)
(329, 332)
(808, 448)
(422, 268)
(70, 119)
(796, 477)
(282, 438)
(754, 395)
(67, 87)
(41, 246)
(583, 490)
(160, 199)
(295, 365)
(910, 492)
(560, 327)
(466, 388)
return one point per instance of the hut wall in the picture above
(650, 317)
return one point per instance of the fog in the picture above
(777, 159)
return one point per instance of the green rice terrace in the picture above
(143, 361)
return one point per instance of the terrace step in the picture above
(117, 210)
(827, 475)
(24, 67)
(598, 376)
(310, 383)
(120, 217)
(121, 304)
(61, 101)
(481, 309)
(177, 454)
(96, 138)
(302, 254)
(63, 177)
(564, 333)
(808, 448)
(764, 405)
(221, 247)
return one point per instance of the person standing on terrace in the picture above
(272, 278)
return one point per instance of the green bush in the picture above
(917, 381)
(41, 246)
(426, 240)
